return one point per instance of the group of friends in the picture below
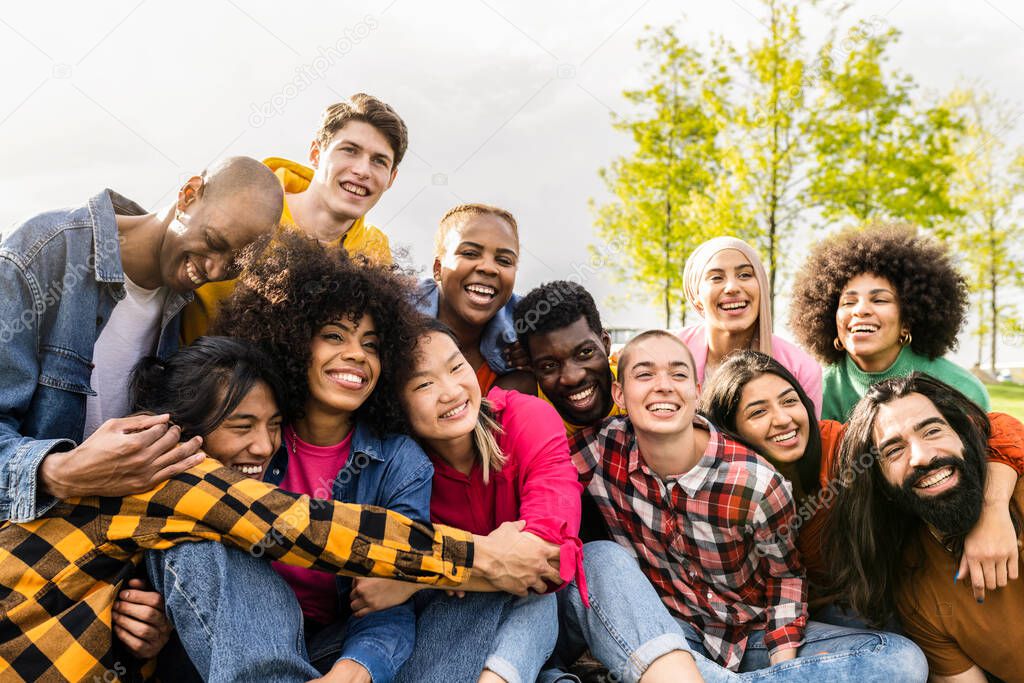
(238, 443)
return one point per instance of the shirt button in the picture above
(277, 471)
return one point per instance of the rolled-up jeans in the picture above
(628, 628)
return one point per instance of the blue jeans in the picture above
(628, 627)
(457, 638)
(236, 618)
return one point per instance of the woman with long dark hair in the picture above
(757, 400)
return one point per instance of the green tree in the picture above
(766, 129)
(672, 192)
(988, 187)
(878, 154)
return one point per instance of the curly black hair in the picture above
(931, 292)
(552, 306)
(293, 287)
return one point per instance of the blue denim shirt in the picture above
(391, 472)
(497, 335)
(60, 277)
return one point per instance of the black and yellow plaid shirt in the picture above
(60, 575)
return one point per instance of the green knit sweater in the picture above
(844, 383)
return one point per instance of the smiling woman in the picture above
(726, 284)
(340, 332)
(476, 257)
(879, 303)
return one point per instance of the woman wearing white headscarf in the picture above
(724, 281)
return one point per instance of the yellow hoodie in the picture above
(361, 238)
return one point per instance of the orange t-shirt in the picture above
(1005, 445)
(486, 377)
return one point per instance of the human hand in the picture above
(140, 621)
(373, 595)
(124, 456)
(517, 357)
(990, 551)
(516, 561)
(345, 671)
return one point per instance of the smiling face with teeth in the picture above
(926, 465)
(656, 385)
(728, 296)
(772, 418)
(571, 367)
(344, 368)
(442, 396)
(868, 322)
(476, 269)
(352, 171)
(247, 438)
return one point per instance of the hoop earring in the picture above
(838, 344)
(905, 339)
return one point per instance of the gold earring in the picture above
(906, 338)
(837, 344)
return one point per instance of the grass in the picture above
(1007, 398)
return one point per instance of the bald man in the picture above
(85, 293)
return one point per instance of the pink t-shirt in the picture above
(312, 470)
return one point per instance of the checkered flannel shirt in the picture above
(715, 542)
(60, 574)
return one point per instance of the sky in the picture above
(507, 103)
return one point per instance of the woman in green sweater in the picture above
(878, 303)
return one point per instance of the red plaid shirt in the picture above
(715, 542)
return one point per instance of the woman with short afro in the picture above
(339, 332)
(877, 303)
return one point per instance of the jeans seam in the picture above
(177, 586)
(631, 657)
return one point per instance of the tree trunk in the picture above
(993, 285)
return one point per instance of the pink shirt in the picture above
(312, 470)
(538, 483)
(792, 357)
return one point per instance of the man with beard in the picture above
(897, 530)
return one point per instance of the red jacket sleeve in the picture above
(547, 481)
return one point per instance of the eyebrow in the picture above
(918, 427)
(467, 243)
(722, 270)
(352, 143)
(782, 393)
(247, 416)
(877, 290)
(346, 328)
(650, 364)
(421, 373)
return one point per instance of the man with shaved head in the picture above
(85, 292)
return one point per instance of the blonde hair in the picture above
(446, 223)
(485, 441)
(699, 260)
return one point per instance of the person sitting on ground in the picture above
(914, 455)
(105, 284)
(726, 284)
(476, 256)
(496, 459)
(706, 521)
(60, 574)
(877, 303)
(754, 399)
(354, 158)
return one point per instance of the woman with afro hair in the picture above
(338, 332)
(877, 303)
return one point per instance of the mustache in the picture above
(919, 473)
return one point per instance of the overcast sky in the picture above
(507, 102)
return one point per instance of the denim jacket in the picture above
(391, 472)
(497, 335)
(60, 277)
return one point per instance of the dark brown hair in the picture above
(368, 109)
